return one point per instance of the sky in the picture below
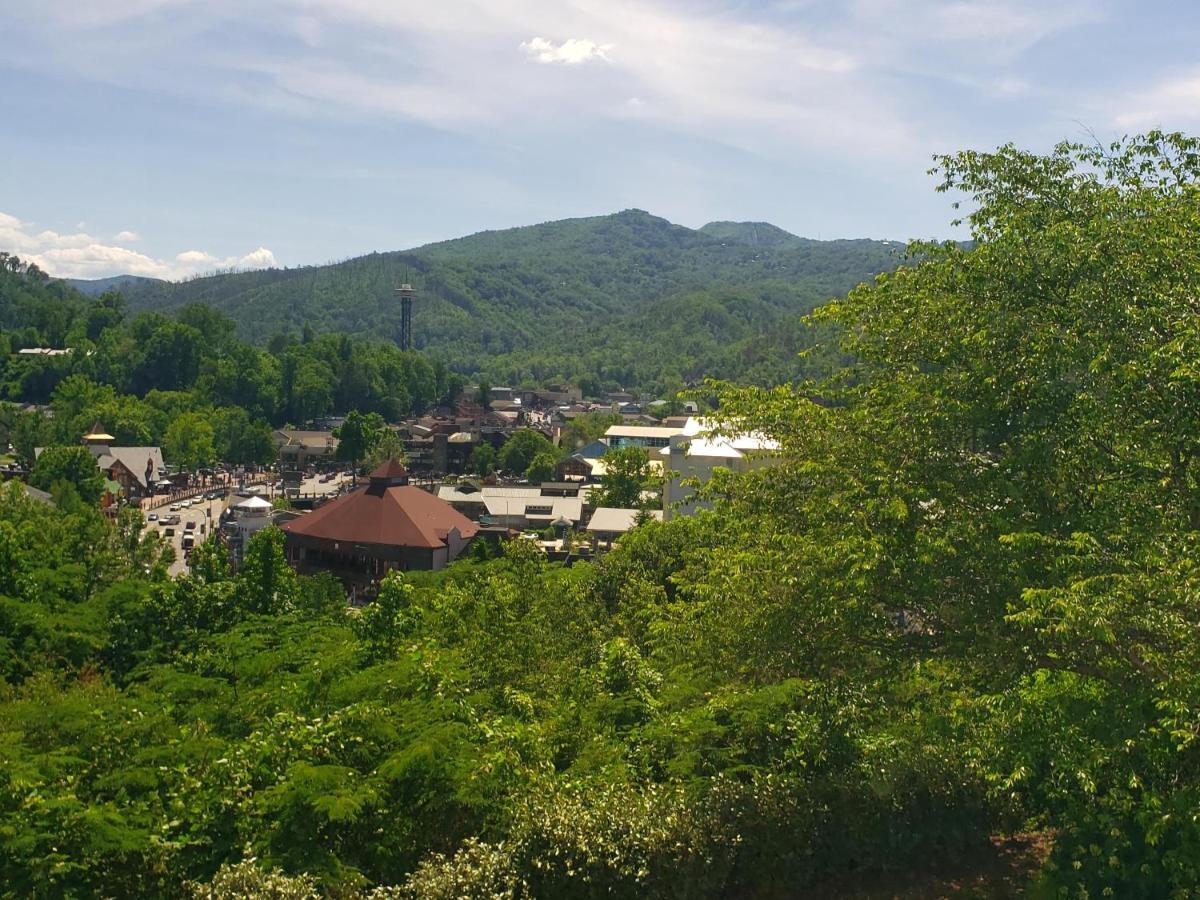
(174, 137)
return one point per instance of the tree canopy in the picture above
(958, 603)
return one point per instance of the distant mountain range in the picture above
(628, 296)
(94, 287)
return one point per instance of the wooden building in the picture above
(389, 524)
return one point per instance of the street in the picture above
(206, 514)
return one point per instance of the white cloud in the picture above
(570, 52)
(80, 255)
(1172, 103)
(126, 237)
(782, 79)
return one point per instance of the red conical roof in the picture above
(401, 516)
(390, 470)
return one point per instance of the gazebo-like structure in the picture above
(389, 524)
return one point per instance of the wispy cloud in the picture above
(80, 255)
(1172, 103)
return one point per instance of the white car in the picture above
(174, 507)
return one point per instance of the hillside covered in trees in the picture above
(184, 380)
(627, 299)
(961, 605)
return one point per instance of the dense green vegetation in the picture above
(622, 300)
(961, 603)
(185, 381)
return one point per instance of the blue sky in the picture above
(172, 137)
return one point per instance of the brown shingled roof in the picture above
(389, 470)
(401, 516)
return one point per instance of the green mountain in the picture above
(753, 234)
(591, 297)
(94, 287)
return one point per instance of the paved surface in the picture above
(207, 515)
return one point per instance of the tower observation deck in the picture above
(406, 294)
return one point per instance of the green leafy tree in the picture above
(585, 429)
(388, 445)
(521, 448)
(627, 474)
(74, 466)
(240, 440)
(384, 623)
(483, 459)
(268, 584)
(358, 436)
(541, 467)
(188, 442)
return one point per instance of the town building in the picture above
(520, 507)
(242, 521)
(130, 473)
(694, 454)
(305, 448)
(608, 523)
(389, 524)
(649, 437)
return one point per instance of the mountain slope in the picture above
(753, 234)
(94, 287)
(560, 289)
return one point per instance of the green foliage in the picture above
(960, 600)
(71, 466)
(627, 474)
(542, 466)
(483, 459)
(246, 881)
(188, 442)
(268, 584)
(358, 436)
(388, 620)
(621, 300)
(522, 447)
(587, 428)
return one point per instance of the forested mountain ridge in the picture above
(94, 287)
(576, 298)
(755, 234)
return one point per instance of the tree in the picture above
(587, 428)
(483, 459)
(521, 447)
(381, 625)
(627, 474)
(188, 442)
(1015, 467)
(74, 466)
(389, 445)
(541, 467)
(358, 436)
(268, 584)
(239, 440)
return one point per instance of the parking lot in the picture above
(205, 514)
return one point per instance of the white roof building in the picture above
(695, 453)
(612, 521)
